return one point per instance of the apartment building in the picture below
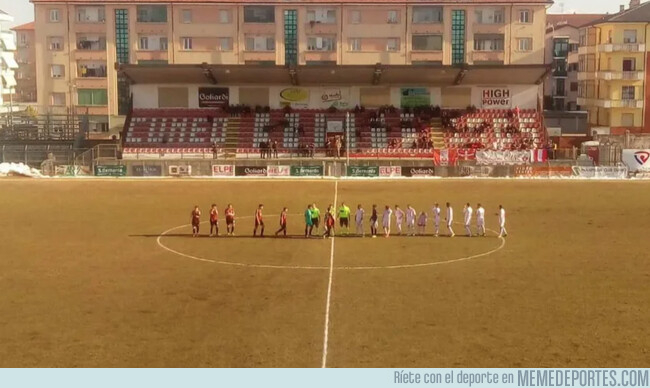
(613, 69)
(561, 53)
(7, 62)
(78, 42)
(26, 58)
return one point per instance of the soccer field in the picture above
(105, 273)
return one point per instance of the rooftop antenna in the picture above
(562, 7)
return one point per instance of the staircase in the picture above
(231, 142)
(437, 133)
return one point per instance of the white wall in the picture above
(523, 96)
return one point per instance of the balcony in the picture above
(584, 50)
(622, 47)
(91, 72)
(489, 28)
(488, 56)
(608, 103)
(607, 75)
(157, 55)
(320, 56)
(316, 28)
(259, 56)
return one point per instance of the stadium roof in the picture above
(334, 74)
(24, 27)
(339, 2)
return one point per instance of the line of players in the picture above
(313, 220)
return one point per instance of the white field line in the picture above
(329, 289)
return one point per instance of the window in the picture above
(163, 43)
(560, 47)
(55, 15)
(427, 14)
(458, 36)
(144, 43)
(57, 71)
(392, 44)
(92, 70)
(152, 14)
(91, 42)
(490, 16)
(525, 16)
(629, 64)
(427, 42)
(355, 17)
(393, 17)
(57, 99)
(321, 15)
(22, 38)
(573, 47)
(260, 43)
(225, 44)
(525, 44)
(91, 15)
(560, 87)
(87, 97)
(574, 86)
(355, 44)
(55, 43)
(186, 16)
(259, 14)
(629, 36)
(186, 43)
(319, 43)
(224, 16)
(488, 42)
(628, 93)
(627, 119)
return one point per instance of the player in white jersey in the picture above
(388, 213)
(411, 215)
(399, 219)
(467, 215)
(422, 223)
(450, 219)
(502, 222)
(436, 218)
(480, 220)
(358, 218)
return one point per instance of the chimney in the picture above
(635, 3)
(622, 8)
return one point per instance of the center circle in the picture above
(168, 233)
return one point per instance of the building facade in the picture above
(78, 43)
(7, 62)
(26, 59)
(561, 53)
(613, 69)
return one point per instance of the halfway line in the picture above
(329, 288)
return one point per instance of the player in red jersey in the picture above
(230, 220)
(214, 220)
(196, 221)
(259, 221)
(283, 222)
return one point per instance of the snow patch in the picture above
(18, 169)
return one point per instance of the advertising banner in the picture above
(69, 170)
(445, 157)
(466, 154)
(543, 171)
(496, 98)
(214, 97)
(616, 172)
(140, 170)
(294, 97)
(363, 171)
(338, 98)
(278, 171)
(637, 160)
(180, 170)
(418, 172)
(110, 170)
(415, 97)
(224, 170)
(477, 171)
(306, 170)
(390, 171)
(503, 157)
(250, 171)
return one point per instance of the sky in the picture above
(23, 10)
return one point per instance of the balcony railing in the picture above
(622, 47)
(91, 45)
(92, 72)
(609, 75)
(609, 103)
